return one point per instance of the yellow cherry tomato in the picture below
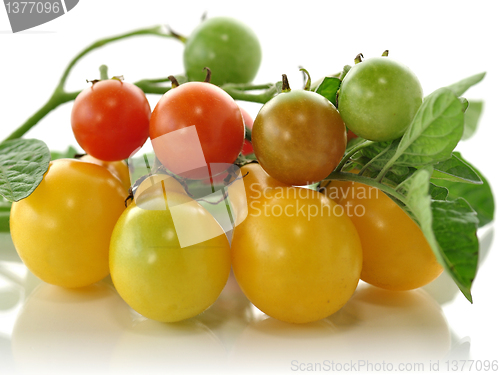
(169, 258)
(296, 256)
(63, 229)
(118, 168)
(251, 183)
(396, 255)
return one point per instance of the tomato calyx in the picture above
(285, 86)
(174, 81)
(120, 78)
(176, 35)
(208, 77)
(307, 79)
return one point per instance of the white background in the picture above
(441, 41)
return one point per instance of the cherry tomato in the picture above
(169, 258)
(396, 255)
(119, 169)
(62, 230)
(248, 120)
(299, 137)
(110, 119)
(378, 98)
(296, 256)
(251, 183)
(154, 185)
(194, 125)
(225, 45)
(350, 135)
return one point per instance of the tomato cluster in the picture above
(296, 252)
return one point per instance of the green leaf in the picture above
(480, 197)
(455, 169)
(345, 71)
(434, 132)
(472, 116)
(23, 162)
(438, 192)
(465, 103)
(460, 87)
(69, 153)
(449, 227)
(454, 224)
(328, 88)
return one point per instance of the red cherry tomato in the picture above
(196, 125)
(110, 120)
(247, 146)
(351, 135)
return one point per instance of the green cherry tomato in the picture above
(169, 258)
(299, 137)
(378, 98)
(228, 47)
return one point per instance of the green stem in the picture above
(367, 165)
(103, 72)
(60, 96)
(239, 92)
(342, 176)
(384, 170)
(149, 86)
(156, 30)
(347, 156)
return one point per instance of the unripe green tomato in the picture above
(228, 47)
(169, 258)
(378, 98)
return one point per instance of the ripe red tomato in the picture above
(351, 135)
(196, 125)
(247, 146)
(110, 119)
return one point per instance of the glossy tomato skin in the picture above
(253, 183)
(219, 128)
(299, 137)
(152, 272)
(296, 268)
(228, 47)
(248, 120)
(110, 119)
(118, 168)
(396, 255)
(63, 229)
(378, 98)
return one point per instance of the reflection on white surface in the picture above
(92, 330)
(375, 325)
(67, 331)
